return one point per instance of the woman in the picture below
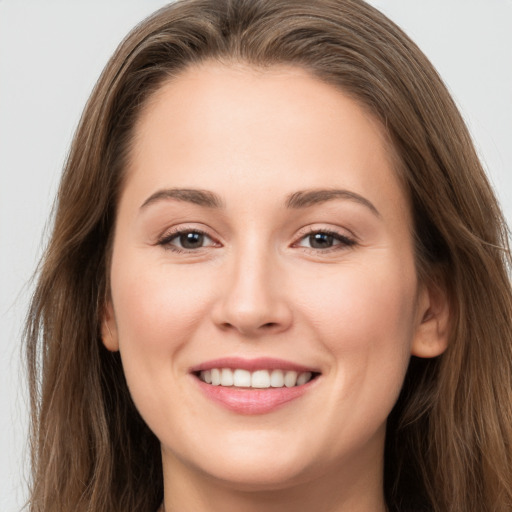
(268, 208)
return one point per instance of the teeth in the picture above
(303, 378)
(259, 379)
(290, 379)
(215, 377)
(277, 379)
(242, 378)
(226, 377)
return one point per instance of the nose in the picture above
(253, 297)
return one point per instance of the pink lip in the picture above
(251, 400)
(260, 363)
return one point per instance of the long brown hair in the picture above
(449, 437)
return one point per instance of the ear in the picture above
(433, 324)
(109, 328)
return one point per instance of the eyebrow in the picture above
(297, 200)
(306, 198)
(195, 196)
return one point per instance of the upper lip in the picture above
(260, 363)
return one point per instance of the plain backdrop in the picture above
(51, 53)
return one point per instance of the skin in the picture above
(257, 287)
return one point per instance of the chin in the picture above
(271, 474)
(252, 466)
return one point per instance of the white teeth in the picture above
(277, 379)
(242, 378)
(216, 377)
(226, 377)
(259, 379)
(303, 378)
(290, 379)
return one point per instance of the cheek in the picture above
(157, 307)
(150, 295)
(377, 298)
(365, 317)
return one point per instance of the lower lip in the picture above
(251, 400)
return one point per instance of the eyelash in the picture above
(166, 240)
(344, 241)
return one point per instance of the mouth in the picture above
(256, 386)
(258, 379)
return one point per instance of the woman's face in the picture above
(263, 239)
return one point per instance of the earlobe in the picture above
(432, 331)
(109, 329)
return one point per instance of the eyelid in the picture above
(322, 228)
(169, 235)
(346, 240)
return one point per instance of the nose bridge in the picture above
(252, 277)
(253, 301)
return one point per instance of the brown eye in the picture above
(187, 240)
(321, 240)
(325, 240)
(191, 240)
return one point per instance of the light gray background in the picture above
(51, 53)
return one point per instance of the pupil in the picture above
(191, 240)
(320, 240)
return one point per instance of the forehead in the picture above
(224, 97)
(218, 124)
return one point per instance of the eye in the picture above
(325, 240)
(186, 240)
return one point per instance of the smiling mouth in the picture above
(258, 379)
(254, 386)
